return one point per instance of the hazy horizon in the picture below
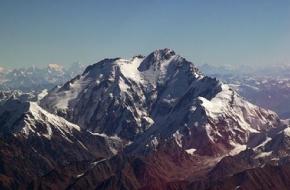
(216, 33)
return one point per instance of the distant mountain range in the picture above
(149, 122)
(37, 79)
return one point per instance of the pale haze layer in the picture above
(248, 32)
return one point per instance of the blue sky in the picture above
(218, 32)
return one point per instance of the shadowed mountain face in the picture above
(153, 122)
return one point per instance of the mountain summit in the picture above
(132, 93)
(158, 98)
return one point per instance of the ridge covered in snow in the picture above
(33, 114)
(29, 120)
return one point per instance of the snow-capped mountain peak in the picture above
(155, 97)
(124, 83)
(2, 70)
(55, 67)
